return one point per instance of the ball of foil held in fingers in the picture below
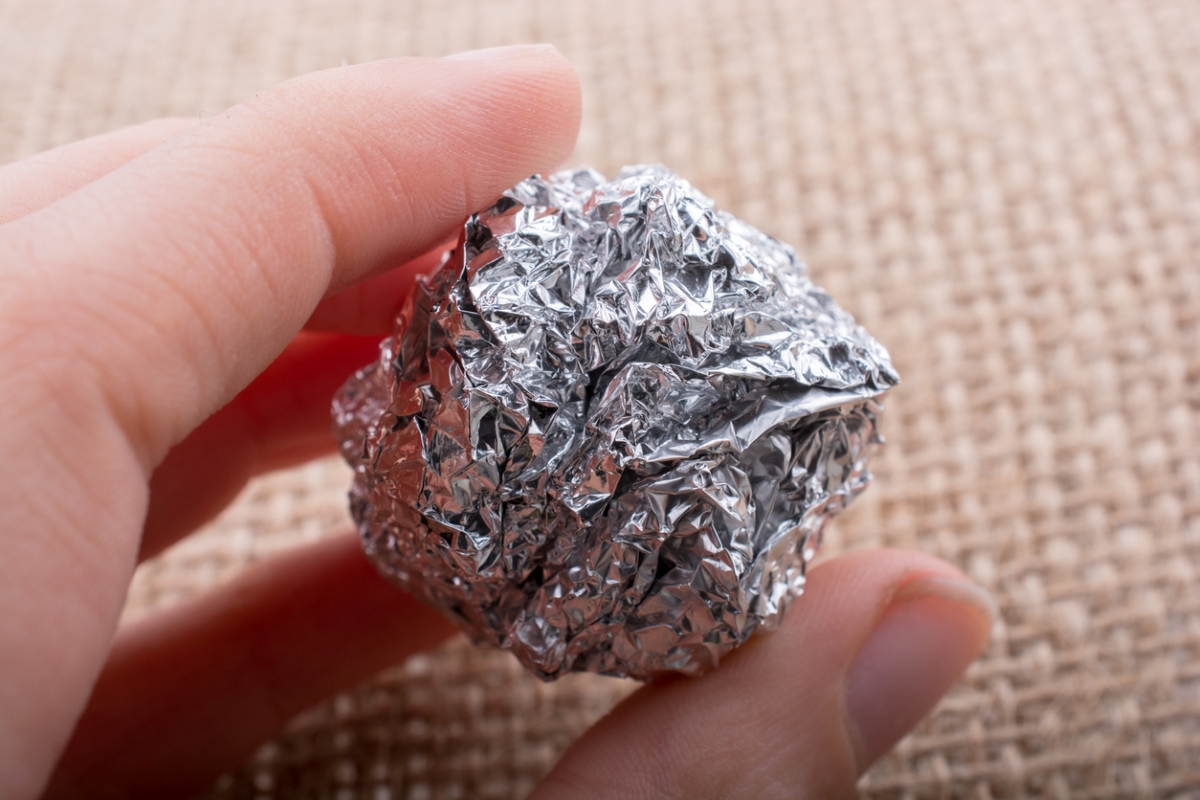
(607, 433)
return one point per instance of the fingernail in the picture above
(509, 51)
(930, 632)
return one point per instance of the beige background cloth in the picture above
(1007, 194)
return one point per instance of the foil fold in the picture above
(607, 433)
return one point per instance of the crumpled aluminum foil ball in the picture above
(607, 433)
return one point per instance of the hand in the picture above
(178, 302)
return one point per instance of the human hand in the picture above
(178, 304)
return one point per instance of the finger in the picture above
(192, 691)
(369, 308)
(230, 235)
(38, 181)
(280, 419)
(137, 306)
(877, 639)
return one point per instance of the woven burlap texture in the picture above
(1006, 194)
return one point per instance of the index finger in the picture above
(213, 250)
(39, 180)
(134, 308)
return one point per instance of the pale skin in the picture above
(178, 302)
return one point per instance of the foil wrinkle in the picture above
(607, 434)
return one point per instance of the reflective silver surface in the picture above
(607, 434)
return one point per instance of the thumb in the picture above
(879, 637)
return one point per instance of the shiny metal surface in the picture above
(608, 432)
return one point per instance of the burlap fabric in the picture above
(1006, 194)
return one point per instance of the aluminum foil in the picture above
(607, 433)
